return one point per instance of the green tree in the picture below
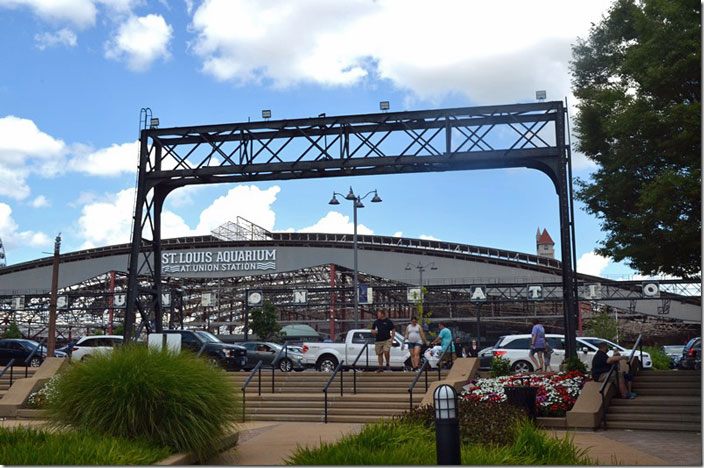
(637, 78)
(13, 331)
(263, 321)
(602, 325)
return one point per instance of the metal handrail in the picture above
(258, 367)
(9, 364)
(284, 348)
(202, 348)
(424, 367)
(442, 356)
(354, 364)
(325, 390)
(31, 355)
(611, 371)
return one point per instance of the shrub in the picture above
(500, 366)
(27, 446)
(178, 400)
(479, 423)
(406, 443)
(575, 364)
(660, 360)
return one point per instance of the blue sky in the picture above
(76, 73)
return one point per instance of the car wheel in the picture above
(214, 361)
(520, 367)
(35, 362)
(327, 364)
(85, 358)
(285, 365)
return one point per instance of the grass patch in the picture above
(174, 400)
(28, 446)
(408, 443)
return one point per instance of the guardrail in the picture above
(354, 364)
(202, 348)
(424, 367)
(9, 365)
(613, 368)
(325, 390)
(258, 367)
(31, 355)
(274, 361)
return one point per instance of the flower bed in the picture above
(40, 398)
(557, 392)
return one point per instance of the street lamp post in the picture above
(421, 268)
(356, 203)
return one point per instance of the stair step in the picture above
(336, 404)
(654, 426)
(652, 417)
(651, 400)
(374, 397)
(316, 418)
(321, 411)
(653, 409)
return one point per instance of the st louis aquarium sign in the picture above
(214, 261)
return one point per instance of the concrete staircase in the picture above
(298, 396)
(667, 401)
(17, 373)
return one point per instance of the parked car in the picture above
(692, 354)
(516, 347)
(89, 346)
(485, 357)
(20, 349)
(674, 352)
(266, 351)
(227, 356)
(326, 356)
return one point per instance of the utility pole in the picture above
(52, 305)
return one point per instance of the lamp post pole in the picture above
(357, 203)
(421, 268)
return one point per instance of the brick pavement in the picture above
(676, 448)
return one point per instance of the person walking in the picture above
(384, 331)
(415, 338)
(445, 340)
(537, 345)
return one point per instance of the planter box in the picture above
(523, 397)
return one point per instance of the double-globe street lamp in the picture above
(357, 203)
(421, 268)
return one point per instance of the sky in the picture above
(75, 74)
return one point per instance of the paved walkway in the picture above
(270, 443)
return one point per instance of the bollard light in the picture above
(447, 427)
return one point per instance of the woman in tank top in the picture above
(415, 339)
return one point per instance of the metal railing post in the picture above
(325, 390)
(258, 368)
(260, 381)
(354, 365)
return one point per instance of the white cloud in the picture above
(335, 222)
(40, 202)
(247, 201)
(427, 237)
(111, 161)
(108, 220)
(398, 234)
(80, 13)
(13, 238)
(25, 149)
(140, 40)
(492, 52)
(64, 37)
(592, 264)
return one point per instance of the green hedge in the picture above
(660, 359)
(177, 400)
(27, 446)
(406, 443)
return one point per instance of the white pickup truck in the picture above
(326, 356)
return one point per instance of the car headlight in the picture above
(226, 352)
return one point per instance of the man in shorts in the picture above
(383, 329)
(445, 340)
(601, 364)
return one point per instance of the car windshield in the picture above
(204, 335)
(30, 343)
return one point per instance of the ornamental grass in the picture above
(169, 399)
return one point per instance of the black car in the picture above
(692, 354)
(20, 349)
(227, 356)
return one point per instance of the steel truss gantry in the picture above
(520, 135)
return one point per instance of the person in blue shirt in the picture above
(537, 345)
(445, 340)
